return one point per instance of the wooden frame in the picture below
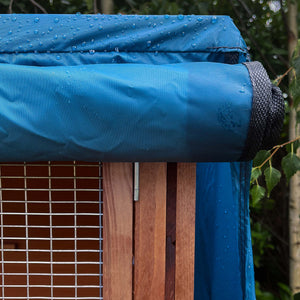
(149, 245)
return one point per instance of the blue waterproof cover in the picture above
(129, 88)
(143, 88)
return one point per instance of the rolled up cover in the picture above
(53, 108)
(137, 112)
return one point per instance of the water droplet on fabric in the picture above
(100, 27)
(56, 20)
(148, 44)
(14, 19)
(225, 212)
(50, 28)
(214, 19)
(36, 31)
(91, 25)
(58, 57)
(133, 25)
(36, 20)
(55, 37)
(10, 32)
(200, 19)
(180, 17)
(92, 52)
(167, 17)
(78, 13)
(194, 45)
(117, 49)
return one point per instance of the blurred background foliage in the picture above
(264, 26)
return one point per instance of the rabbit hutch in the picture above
(126, 147)
(69, 229)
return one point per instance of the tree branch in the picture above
(246, 8)
(10, 11)
(40, 7)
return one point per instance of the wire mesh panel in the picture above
(51, 231)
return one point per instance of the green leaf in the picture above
(255, 173)
(260, 157)
(297, 296)
(272, 177)
(290, 165)
(257, 193)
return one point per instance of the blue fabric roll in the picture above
(124, 112)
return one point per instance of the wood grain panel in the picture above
(118, 230)
(150, 233)
(185, 231)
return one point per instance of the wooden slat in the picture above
(150, 233)
(185, 231)
(171, 231)
(118, 230)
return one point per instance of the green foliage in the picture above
(290, 165)
(255, 174)
(257, 192)
(260, 157)
(285, 292)
(263, 295)
(272, 177)
(261, 239)
(297, 296)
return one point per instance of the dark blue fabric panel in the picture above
(124, 112)
(223, 262)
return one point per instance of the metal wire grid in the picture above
(51, 231)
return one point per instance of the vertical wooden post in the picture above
(118, 230)
(150, 233)
(185, 231)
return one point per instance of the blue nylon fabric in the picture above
(221, 272)
(90, 39)
(223, 261)
(124, 112)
